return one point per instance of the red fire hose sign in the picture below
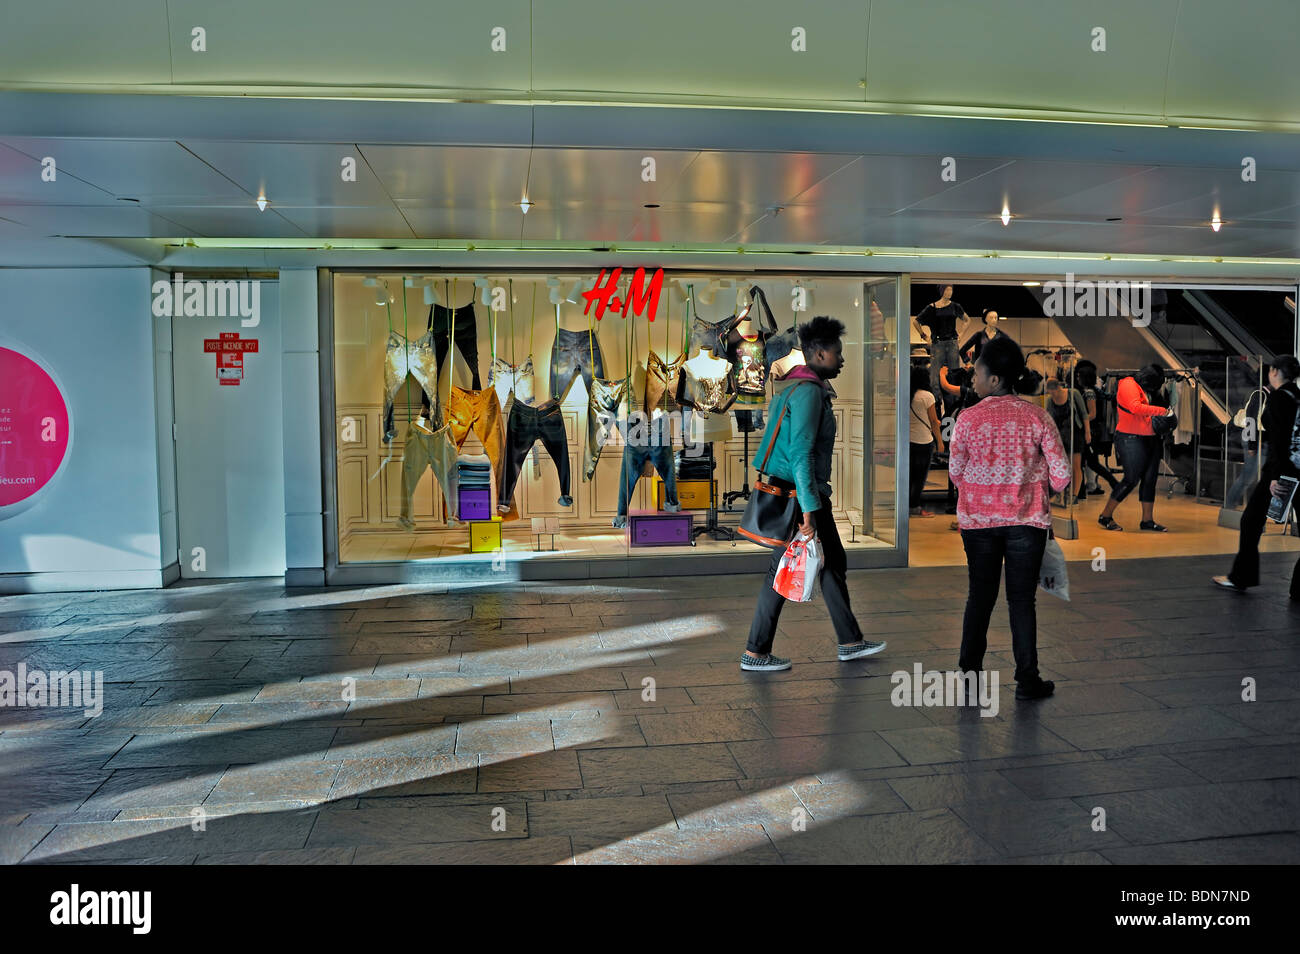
(34, 430)
(230, 351)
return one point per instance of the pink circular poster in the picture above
(35, 430)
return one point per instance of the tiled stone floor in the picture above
(512, 724)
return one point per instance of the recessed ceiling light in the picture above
(1115, 219)
(650, 205)
(1031, 284)
(1006, 215)
(1216, 222)
(525, 205)
(261, 202)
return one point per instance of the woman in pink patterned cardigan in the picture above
(1006, 460)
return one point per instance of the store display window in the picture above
(495, 417)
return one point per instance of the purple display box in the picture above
(475, 505)
(653, 528)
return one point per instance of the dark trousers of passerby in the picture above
(1021, 548)
(1245, 568)
(1094, 464)
(1139, 455)
(920, 469)
(834, 584)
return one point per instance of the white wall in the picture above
(98, 525)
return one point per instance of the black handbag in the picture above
(772, 512)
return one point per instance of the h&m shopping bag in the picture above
(800, 566)
(1053, 576)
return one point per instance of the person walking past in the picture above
(1085, 378)
(1279, 426)
(800, 460)
(1138, 447)
(1006, 460)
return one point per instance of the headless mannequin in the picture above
(783, 366)
(708, 426)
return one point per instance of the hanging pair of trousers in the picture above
(480, 411)
(440, 328)
(436, 451)
(1245, 568)
(1021, 548)
(574, 353)
(602, 420)
(525, 427)
(834, 585)
(403, 357)
(656, 447)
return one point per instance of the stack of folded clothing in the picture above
(474, 471)
(695, 468)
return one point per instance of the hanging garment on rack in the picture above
(574, 353)
(479, 411)
(1043, 362)
(748, 365)
(1183, 401)
(780, 345)
(602, 420)
(437, 452)
(440, 331)
(662, 382)
(507, 379)
(711, 334)
(403, 357)
(524, 428)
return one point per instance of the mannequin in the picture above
(783, 366)
(709, 388)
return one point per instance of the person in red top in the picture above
(1006, 460)
(1137, 446)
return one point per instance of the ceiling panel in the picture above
(20, 181)
(294, 173)
(559, 176)
(389, 43)
(230, 221)
(461, 175)
(1026, 186)
(149, 170)
(1220, 50)
(713, 223)
(890, 183)
(118, 221)
(72, 41)
(348, 222)
(1021, 54)
(687, 48)
(756, 178)
(468, 222)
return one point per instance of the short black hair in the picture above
(1085, 373)
(1150, 377)
(1003, 359)
(822, 332)
(1287, 366)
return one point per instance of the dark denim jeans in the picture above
(920, 469)
(634, 458)
(835, 590)
(1021, 548)
(1245, 568)
(1140, 456)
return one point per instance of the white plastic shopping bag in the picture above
(800, 566)
(1053, 576)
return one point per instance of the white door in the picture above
(229, 443)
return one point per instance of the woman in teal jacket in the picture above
(801, 460)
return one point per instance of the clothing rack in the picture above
(1192, 375)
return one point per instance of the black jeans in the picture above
(1094, 464)
(1245, 568)
(574, 352)
(920, 469)
(1021, 547)
(834, 584)
(526, 426)
(440, 326)
(1139, 455)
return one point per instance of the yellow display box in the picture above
(691, 494)
(485, 535)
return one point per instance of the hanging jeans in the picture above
(602, 420)
(657, 448)
(1021, 547)
(1139, 455)
(507, 379)
(480, 411)
(440, 323)
(525, 427)
(403, 357)
(1245, 568)
(834, 586)
(712, 335)
(574, 353)
(436, 451)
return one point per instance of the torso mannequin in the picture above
(784, 366)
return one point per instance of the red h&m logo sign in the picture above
(230, 351)
(605, 294)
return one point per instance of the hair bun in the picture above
(1028, 382)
